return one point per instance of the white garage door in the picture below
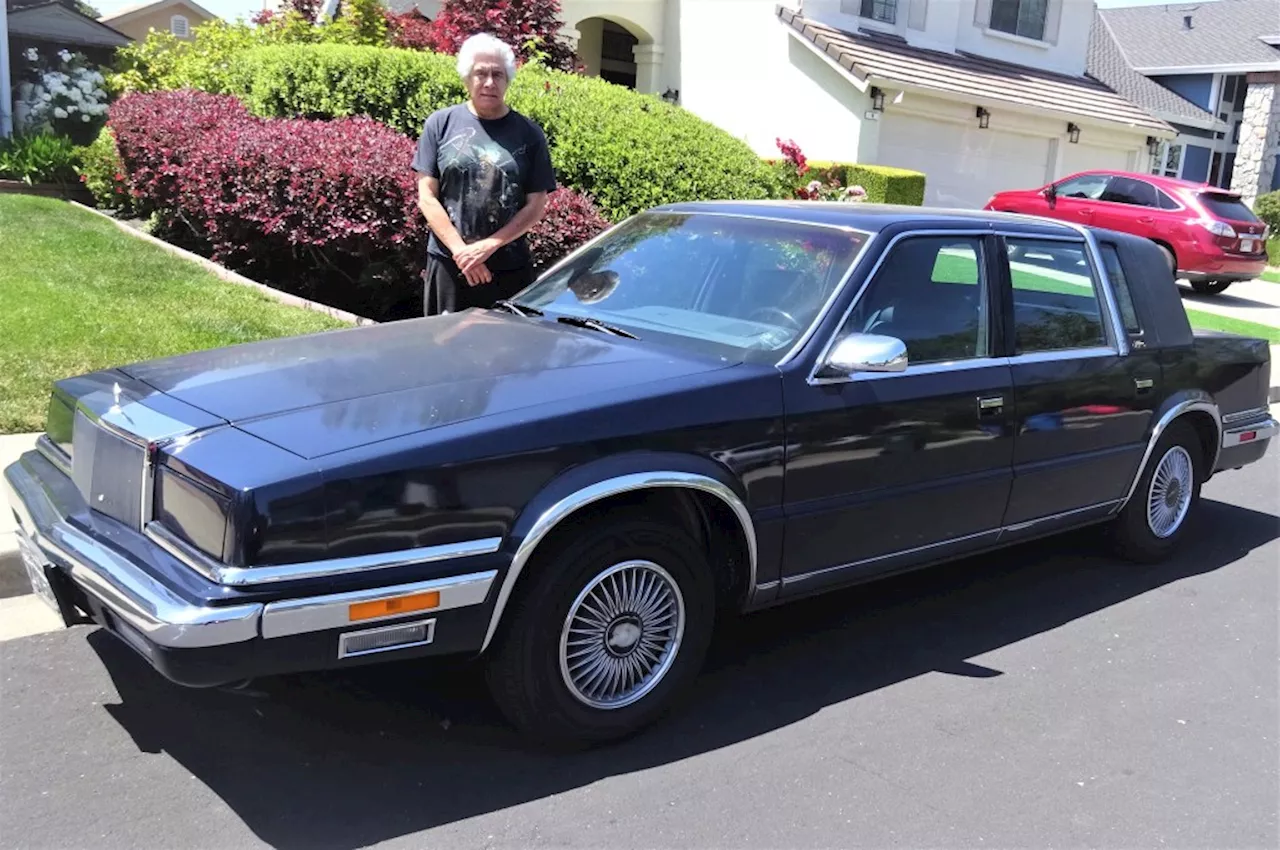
(1082, 157)
(963, 165)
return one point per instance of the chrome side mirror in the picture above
(865, 353)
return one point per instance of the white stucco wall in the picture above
(741, 71)
(963, 25)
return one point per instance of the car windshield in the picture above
(1227, 207)
(702, 280)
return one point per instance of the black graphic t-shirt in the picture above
(486, 168)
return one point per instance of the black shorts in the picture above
(445, 288)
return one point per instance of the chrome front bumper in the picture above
(51, 516)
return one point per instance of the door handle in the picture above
(1085, 212)
(988, 405)
(1145, 219)
(1143, 385)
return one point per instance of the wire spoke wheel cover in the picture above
(622, 634)
(1169, 497)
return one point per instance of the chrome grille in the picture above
(108, 470)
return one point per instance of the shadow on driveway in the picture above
(341, 760)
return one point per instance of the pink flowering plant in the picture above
(796, 166)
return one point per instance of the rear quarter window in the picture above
(1228, 207)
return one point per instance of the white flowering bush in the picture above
(61, 93)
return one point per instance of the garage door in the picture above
(1082, 157)
(963, 165)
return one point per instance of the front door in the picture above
(885, 469)
(1082, 408)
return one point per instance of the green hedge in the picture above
(627, 150)
(884, 184)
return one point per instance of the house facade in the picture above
(1211, 70)
(179, 17)
(981, 95)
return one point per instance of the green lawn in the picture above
(960, 269)
(79, 295)
(1269, 275)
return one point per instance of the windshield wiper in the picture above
(518, 309)
(595, 325)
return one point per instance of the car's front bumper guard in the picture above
(164, 618)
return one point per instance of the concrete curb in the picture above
(232, 277)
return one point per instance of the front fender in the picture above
(611, 476)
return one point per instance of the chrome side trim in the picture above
(993, 532)
(54, 454)
(321, 613)
(270, 573)
(918, 369)
(1063, 354)
(1242, 415)
(1261, 431)
(790, 580)
(1203, 404)
(564, 508)
(1031, 523)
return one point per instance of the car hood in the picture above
(323, 393)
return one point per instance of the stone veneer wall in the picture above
(1259, 138)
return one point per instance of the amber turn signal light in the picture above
(394, 605)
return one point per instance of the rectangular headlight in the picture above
(191, 511)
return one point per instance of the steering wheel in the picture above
(764, 312)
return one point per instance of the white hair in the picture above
(485, 44)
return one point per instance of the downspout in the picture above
(6, 100)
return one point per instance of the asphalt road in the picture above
(1046, 697)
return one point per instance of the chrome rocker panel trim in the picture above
(567, 506)
(271, 573)
(167, 620)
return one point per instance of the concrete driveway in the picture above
(1251, 300)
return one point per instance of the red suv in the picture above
(1209, 236)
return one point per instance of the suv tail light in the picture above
(1219, 228)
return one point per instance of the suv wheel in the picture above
(610, 632)
(1155, 519)
(1209, 287)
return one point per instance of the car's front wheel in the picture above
(611, 631)
(1156, 517)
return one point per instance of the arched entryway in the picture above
(619, 51)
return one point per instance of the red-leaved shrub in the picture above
(324, 209)
(571, 218)
(410, 30)
(155, 133)
(530, 27)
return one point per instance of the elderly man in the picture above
(484, 174)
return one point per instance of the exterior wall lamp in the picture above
(877, 99)
(1073, 133)
(1153, 145)
(671, 95)
(984, 117)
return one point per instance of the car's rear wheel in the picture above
(1209, 287)
(1156, 517)
(610, 632)
(1169, 259)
